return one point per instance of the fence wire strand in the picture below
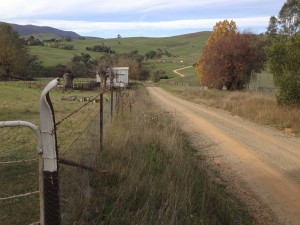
(18, 161)
(75, 111)
(20, 195)
(70, 135)
(74, 182)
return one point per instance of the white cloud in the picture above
(14, 9)
(94, 17)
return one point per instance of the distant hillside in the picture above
(186, 48)
(44, 36)
(24, 30)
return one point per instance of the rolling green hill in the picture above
(186, 48)
(43, 36)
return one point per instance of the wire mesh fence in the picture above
(78, 141)
(18, 177)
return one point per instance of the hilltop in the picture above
(24, 30)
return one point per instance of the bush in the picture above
(157, 75)
(100, 48)
(284, 64)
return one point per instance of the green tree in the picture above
(284, 54)
(284, 64)
(272, 30)
(289, 17)
(83, 65)
(150, 55)
(288, 21)
(13, 55)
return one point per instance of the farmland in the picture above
(20, 101)
(156, 155)
(185, 48)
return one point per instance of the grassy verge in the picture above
(153, 175)
(258, 107)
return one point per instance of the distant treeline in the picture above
(52, 43)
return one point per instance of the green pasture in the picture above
(186, 48)
(20, 101)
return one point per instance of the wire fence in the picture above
(78, 141)
(75, 182)
(19, 187)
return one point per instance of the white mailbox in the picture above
(121, 76)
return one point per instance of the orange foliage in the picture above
(221, 29)
(229, 57)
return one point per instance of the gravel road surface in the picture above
(261, 163)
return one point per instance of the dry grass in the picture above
(153, 176)
(261, 108)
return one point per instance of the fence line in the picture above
(85, 150)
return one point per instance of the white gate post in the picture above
(50, 155)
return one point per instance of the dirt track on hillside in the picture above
(181, 74)
(259, 163)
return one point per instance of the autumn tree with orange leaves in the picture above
(230, 57)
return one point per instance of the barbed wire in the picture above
(78, 109)
(75, 139)
(75, 129)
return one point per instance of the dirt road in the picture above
(262, 163)
(181, 74)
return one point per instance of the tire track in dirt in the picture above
(266, 161)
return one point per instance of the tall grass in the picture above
(153, 175)
(259, 107)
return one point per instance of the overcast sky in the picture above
(131, 18)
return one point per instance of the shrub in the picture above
(285, 66)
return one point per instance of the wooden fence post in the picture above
(111, 102)
(101, 121)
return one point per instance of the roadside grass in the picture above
(259, 107)
(154, 175)
(20, 101)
